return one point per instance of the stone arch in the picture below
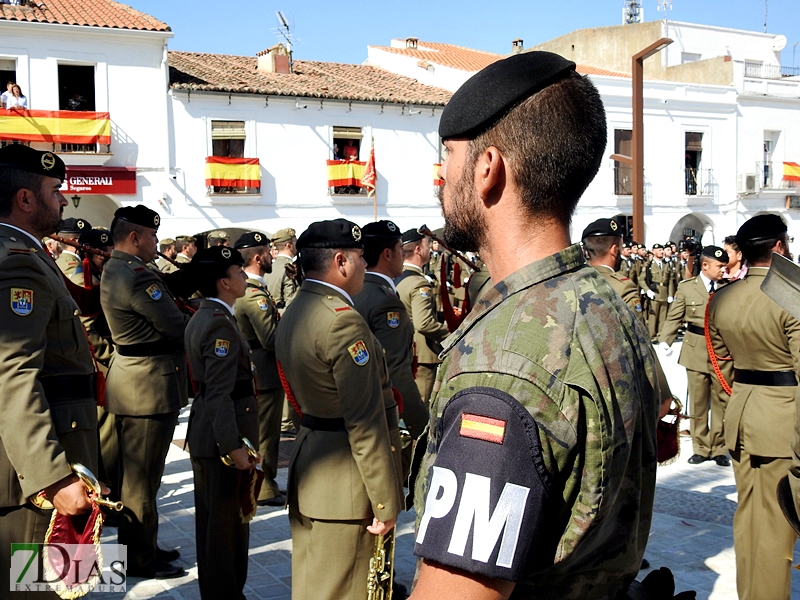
(698, 223)
(97, 209)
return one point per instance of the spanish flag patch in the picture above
(482, 428)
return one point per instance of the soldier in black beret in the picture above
(525, 137)
(412, 235)
(46, 367)
(252, 239)
(69, 260)
(147, 381)
(223, 412)
(344, 479)
(755, 343)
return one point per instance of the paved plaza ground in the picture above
(691, 532)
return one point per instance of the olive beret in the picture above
(73, 225)
(716, 253)
(283, 235)
(186, 239)
(219, 234)
(760, 228)
(24, 158)
(491, 92)
(252, 239)
(164, 242)
(602, 227)
(138, 215)
(338, 233)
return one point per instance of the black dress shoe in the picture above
(696, 459)
(167, 555)
(278, 500)
(722, 460)
(158, 569)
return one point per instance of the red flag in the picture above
(370, 175)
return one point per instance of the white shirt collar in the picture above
(37, 242)
(258, 278)
(183, 255)
(412, 266)
(338, 289)
(389, 279)
(225, 304)
(706, 280)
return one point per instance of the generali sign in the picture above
(100, 180)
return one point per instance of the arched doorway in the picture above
(697, 226)
(97, 209)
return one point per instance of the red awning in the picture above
(100, 180)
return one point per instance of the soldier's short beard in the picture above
(464, 224)
(44, 221)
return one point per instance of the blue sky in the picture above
(340, 31)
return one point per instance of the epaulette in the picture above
(336, 304)
(19, 251)
(685, 280)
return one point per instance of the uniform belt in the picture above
(149, 349)
(243, 388)
(68, 387)
(323, 424)
(783, 378)
(695, 329)
(254, 344)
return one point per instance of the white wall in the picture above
(436, 75)
(292, 145)
(710, 42)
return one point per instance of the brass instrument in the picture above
(92, 485)
(251, 451)
(381, 568)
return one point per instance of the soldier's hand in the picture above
(381, 527)
(665, 348)
(651, 294)
(670, 299)
(241, 459)
(291, 270)
(69, 496)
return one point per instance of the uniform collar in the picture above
(756, 272)
(411, 267)
(225, 304)
(35, 241)
(257, 278)
(387, 279)
(569, 259)
(338, 289)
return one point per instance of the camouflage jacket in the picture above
(541, 455)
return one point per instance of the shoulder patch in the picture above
(262, 303)
(154, 291)
(21, 301)
(482, 428)
(221, 347)
(425, 292)
(359, 353)
(393, 319)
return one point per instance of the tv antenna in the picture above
(632, 12)
(664, 5)
(283, 30)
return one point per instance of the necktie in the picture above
(711, 288)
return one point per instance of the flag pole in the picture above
(375, 187)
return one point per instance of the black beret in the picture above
(73, 225)
(338, 233)
(602, 227)
(657, 247)
(760, 228)
(138, 215)
(490, 93)
(716, 253)
(380, 230)
(24, 158)
(252, 239)
(640, 246)
(96, 238)
(221, 256)
(412, 235)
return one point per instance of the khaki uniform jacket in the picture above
(220, 358)
(416, 293)
(140, 309)
(626, 289)
(41, 336)
(68, 261)
(165, 266)
(689, 307)
(745, 324)
(281, 287)
(627, 268)
(334, 366)
(102, 347)
(388, 319)
(660, 278)
(257, 318)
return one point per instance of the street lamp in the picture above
(637, 160)
(76, 200)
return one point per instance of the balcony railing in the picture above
(769, 178)
(762, 71)
(67, 130)
(698, 182)
(623, 180)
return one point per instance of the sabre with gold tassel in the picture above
(250, 486)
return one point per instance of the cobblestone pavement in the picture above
(691, 531)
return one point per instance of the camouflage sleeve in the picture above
(488, 488)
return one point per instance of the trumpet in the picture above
(92, 485)
(380, 578)
(251, 452)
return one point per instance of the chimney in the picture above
(411, 43)
(516, 46)
(274, 60)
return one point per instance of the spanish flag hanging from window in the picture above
(222, 171)
(345, 172)
(55, 126)
(791, 171)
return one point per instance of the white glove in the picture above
(665, 348)
(670, 299)
(651, 294)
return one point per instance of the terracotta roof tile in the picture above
(238, 74)
(587, 70)
(89, 13)
(447, 55)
